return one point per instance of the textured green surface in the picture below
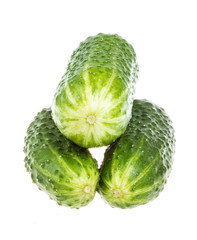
(137, 165)
(93, 102)
(64, 170)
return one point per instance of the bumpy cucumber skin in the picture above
(137, 165)
(99, 82)
(65, 171)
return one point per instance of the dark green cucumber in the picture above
(62, 169)
(137, 165)
(93, 102)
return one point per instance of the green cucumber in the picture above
(93, 102)
(62, 169)
(137, 165)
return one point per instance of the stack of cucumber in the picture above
(93, 106)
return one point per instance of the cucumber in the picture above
(65, 171)
(137, 165)
(93, 102)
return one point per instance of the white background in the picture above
(37, 39)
